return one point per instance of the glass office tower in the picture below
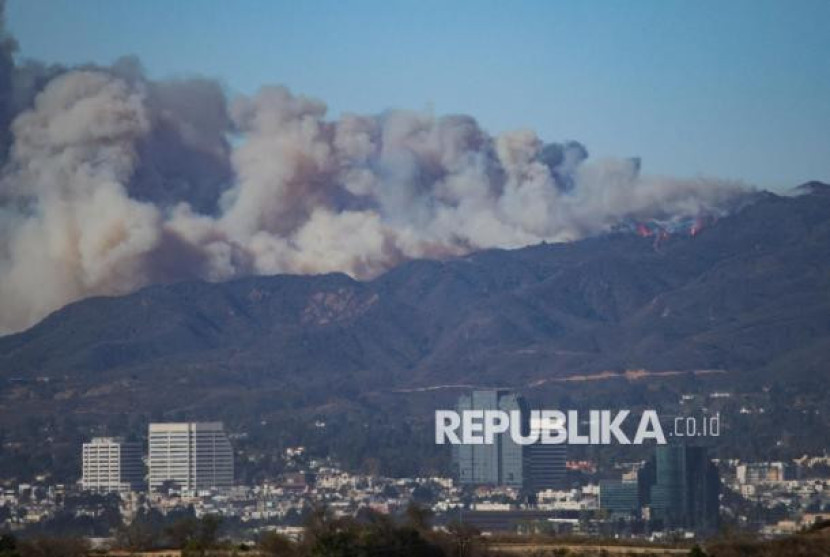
(190, 455)
(683, 488)
(545, 464)
(501, 463)
(619, 498)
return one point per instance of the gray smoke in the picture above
(113, 181)
(8, 46)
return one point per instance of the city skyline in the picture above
(464, 278)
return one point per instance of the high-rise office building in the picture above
(190, 456)
(111, 464)
(545, 464)
(620, 498)
(500, 463)
(682, 486)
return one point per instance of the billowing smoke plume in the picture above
(111, 181)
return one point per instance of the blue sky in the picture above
(734, 89)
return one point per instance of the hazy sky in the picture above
(736, 89)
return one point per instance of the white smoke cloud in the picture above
(92, 201)
(78, 231)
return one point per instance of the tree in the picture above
(195, 535)
(140, 534)
(182, 532)
(209, 530)
(464, 537)
(419, 517)
(327, 536)
(423, 494)
(54, 547)
(696, 551)
(8, 546)
(272, 544)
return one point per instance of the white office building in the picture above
(111, 464)
(191, 456)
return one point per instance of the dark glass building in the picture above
(620, 498)
(681, 486)
(501, 463)
(544, 463)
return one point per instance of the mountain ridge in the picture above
(721, 299)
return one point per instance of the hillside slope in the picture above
(750, 292)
